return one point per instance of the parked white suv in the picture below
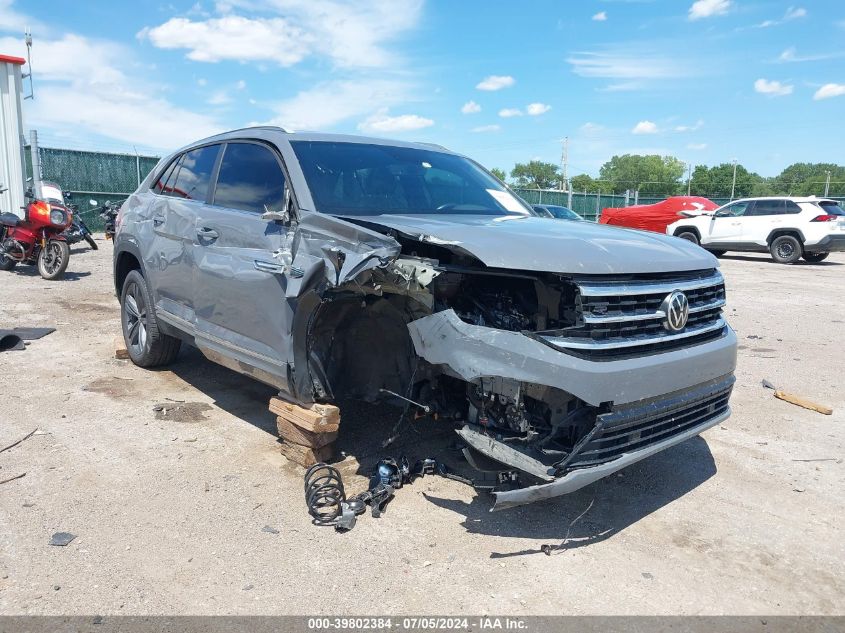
(788, 228)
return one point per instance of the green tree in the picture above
(499, 173)
(536, 175)
(651, 174)
(716, 181)
(807, 179)
(583, 182)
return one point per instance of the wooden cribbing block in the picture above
(289, 432)
(318, 418)
(304, 455)
(803, 402)
(120, 350)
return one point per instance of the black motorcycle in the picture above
(78, 230)
(108, 212)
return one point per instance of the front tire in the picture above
(815, 258)
(146, 344)
(91, 242)
(689, 236)
(786, 249)
(53, 259)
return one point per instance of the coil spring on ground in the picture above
(324, 493)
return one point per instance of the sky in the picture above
(707, 81)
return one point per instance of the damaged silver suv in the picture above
(336, 267)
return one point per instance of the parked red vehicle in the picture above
(37, 239)
(656, 217)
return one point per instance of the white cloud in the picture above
(697, 146)
(287, 31)
(496, 82)
(470, 107)
(221, 97)
(329, 103)
(645, 127)
(536, 109)
(690, 128)
(772, 88)
(622, 86)
(829, 90)
(507, 113)
(240, 85)
(592, 128)
(86, 90)
(601, 16)
(791, 55)
(623, 65)
(792, 13)
(12, 21)
(708, 8)
(381, 122)
(486, 128)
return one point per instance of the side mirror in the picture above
(275, 216)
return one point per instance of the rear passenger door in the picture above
(181, 193)
(239, 289)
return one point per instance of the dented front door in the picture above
(240, 275)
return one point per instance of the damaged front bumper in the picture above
(630, 434)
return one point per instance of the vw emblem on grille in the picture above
(676, 309)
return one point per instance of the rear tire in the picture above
(91, 242)
(815, 258)
(53, 259)
(689, 236)
(146, 344)
(786, 249)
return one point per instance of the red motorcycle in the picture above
(37, 239)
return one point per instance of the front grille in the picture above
(643, 424)
(623, 317)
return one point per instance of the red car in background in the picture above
(656, 217)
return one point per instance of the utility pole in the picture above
(827, 184)
(35, 152)
(689, 178)
(564, 165)
(733, 182)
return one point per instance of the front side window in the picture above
(737, 209)
(363, 179)
(250, 179)
(193, 176)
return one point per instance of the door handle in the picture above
(207, 234)
(158, 220)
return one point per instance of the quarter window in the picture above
(250, 179)
(194, 174)
(791, 207)
(161, 184)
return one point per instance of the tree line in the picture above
(656, 175)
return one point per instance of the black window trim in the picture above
(212, 176)
(274, 151)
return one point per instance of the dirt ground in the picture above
(198, 513)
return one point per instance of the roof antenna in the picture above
(28, 40)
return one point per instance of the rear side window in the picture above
(766, 207)
(250, 179)
(193, 175)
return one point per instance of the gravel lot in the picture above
(204, 516)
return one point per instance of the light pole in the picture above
(689, 178)
(827, 184)
(733, 182)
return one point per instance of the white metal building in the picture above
(12, 167)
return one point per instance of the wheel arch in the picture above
(125, 260)
(775, 233)
(687, 229)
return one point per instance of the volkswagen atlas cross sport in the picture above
(339, 267)
(788, 228)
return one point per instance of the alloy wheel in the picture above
(135, 309)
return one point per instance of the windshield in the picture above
(365, 179)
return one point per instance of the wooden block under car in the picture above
(120, 350)
(306, 456)
(289, 432)
(318, 418)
